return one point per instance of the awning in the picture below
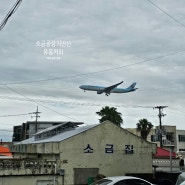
(163, 153)
(4, 151)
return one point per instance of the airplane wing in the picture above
(108, 89)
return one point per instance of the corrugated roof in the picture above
(49, 128)
(59, 137)
(59, 125)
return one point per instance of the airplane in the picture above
(110, 89)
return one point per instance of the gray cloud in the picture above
(111, 37)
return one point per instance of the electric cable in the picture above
(13, 9)
(173, 18)
(75, 103)
(11, 115)
(95, 72)
(38, 103)
(5, 130)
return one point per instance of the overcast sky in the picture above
(49, 48)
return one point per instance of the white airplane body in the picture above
(110, 89)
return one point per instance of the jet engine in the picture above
(99, 91)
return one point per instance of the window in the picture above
(181, 138)
(155, 138)
(169, 136)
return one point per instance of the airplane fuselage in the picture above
(110, 89)
(100, 88)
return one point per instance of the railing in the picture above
(166, 164)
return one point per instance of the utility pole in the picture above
(36, 116)
(160, 122)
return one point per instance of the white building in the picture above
(67, 154)
(180, 138)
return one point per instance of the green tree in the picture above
(144, 126)
(111, 114)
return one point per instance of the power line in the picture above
(173, 18)
(15, 91)
(179, 111)
(11, 115)
(74, 103)
(95, 72)
(13, 9)
(6, 130)
(79, 104)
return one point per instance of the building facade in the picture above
(30, 128)
(70, 154)
(181, 142)
(168, 136)
(173, 140)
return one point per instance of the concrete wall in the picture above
(117, 163)
(50, 147)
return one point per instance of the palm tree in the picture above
(111, 114)
(144, 126)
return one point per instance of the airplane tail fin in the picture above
(132, 86)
